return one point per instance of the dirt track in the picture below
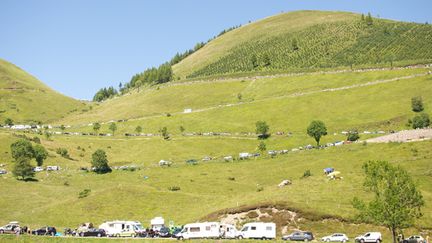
(404, 136)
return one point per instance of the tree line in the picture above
(154, 75)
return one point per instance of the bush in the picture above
(353, 136)
(417, 104)
(174, 188)
(307, 174)
(420, 121)
(84, 193)
(63, 153)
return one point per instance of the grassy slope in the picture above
(128, 195)
(271, 26)
(24, 98)
(270, 100)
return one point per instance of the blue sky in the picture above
(79, 46)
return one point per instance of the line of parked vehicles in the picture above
(204, 230)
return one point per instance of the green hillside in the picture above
(310, 40)
(25, 99)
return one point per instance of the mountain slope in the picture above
(310, 39)
(23, 98)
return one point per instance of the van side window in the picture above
(194, 229)
(253, 228)
(207, 228)
(268, 228)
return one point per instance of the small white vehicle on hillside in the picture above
(204, 230)
(369, 237)
(228, 231)
(38, 169)
(336, 237)
(258, 230)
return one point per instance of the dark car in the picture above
(299, 236)
(164, 232)
(45, 231)
(93, 232)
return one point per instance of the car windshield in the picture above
(245, 228)
(138, 227)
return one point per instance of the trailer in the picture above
(120, 228)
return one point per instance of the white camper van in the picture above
(258, 230)
(119, 228)
(228, 231)
(200, 230)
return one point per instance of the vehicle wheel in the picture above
(133, 235)
(361, 241)
(117, 235)
(240, 237)
(263, 238)
(82, 234)
(52, 234)
(378, 241)
(180, 238)
(327, 240)
(306, 240)
(99, 235)
(1, 232)
(344, 241)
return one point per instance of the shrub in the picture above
(417, 104)
(63, 153)
(100, 162)
(307, 174)
(84, 193)
(420, 121)
(174, 188)
(353, 136)
(252, 215)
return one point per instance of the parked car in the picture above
(369, 237)
(9, 228)
(45, 231)
(93, 232)
(164, 232)
(52, 168)
(414, 239)
(38, 169)
(299, 236)
(338, 237)
(2, 172)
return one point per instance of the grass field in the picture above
(21, 94)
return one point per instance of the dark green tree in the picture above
(262, 129)
(262, 147)
(421, 120)
(100, 162)
(96, 128)
(164, 133)
(294, 44)
(138, 129)
(254, 61)
(317, 129)
(23, 169)
(113, 128)
(369, 19)
(396, 203)
(62, 127)
(182, 129)
(353, 136)
(22, 149)
(9, 122)
(40, 154)
(417, 104)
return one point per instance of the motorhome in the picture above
(200, 230)
(258, 230)
(228, 231)
(119, 228)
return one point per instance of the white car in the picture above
(414, 239)
(369, 237)
(2, 172)
(38, 169)
(338, 237)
